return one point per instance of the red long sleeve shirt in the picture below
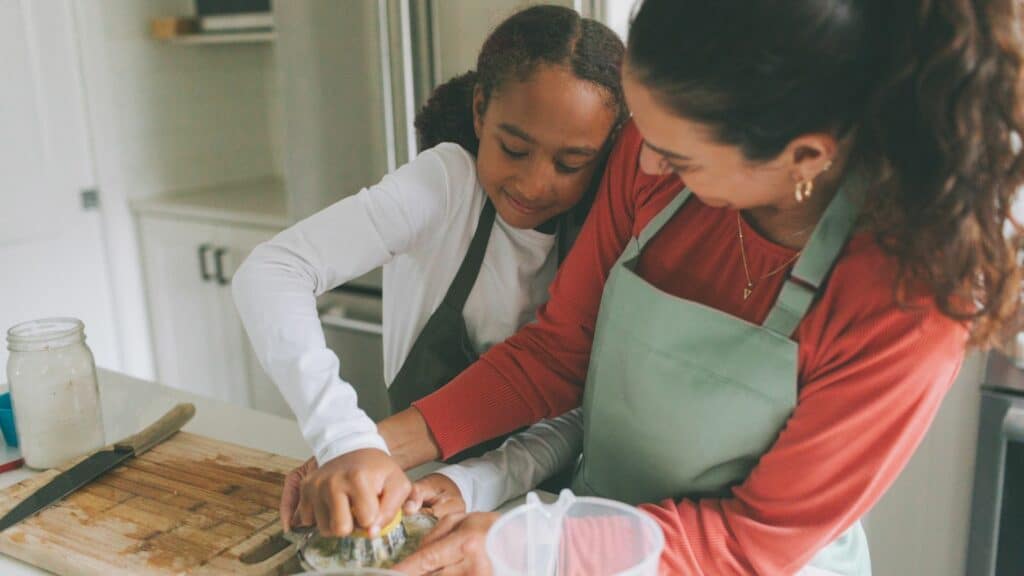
(872, 374)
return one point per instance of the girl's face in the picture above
(719, 174)
(540, 142)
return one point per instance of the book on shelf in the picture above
(237, 22)
(234, 15)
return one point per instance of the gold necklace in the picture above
(749, 288)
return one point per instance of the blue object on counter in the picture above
(7, 420)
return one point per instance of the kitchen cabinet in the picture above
(199, 343)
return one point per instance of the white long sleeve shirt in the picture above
(418, 223)
(522, 462)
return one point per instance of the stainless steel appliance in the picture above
(996, 545)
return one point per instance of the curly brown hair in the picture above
(931, 89)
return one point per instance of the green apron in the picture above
(682, 400)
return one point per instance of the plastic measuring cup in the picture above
(575, 536)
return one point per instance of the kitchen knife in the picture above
(96, 464)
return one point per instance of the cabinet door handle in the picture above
(1013, 425)
(218, 257)
(203, 272)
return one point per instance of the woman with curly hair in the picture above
(797, 237)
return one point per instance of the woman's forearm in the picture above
(409, 438)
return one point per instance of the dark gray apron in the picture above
(443, 348)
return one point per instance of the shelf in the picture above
(224, 38)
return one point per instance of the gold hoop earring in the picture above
(803, 190)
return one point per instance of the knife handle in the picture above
(158, 431)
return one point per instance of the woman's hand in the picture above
(291, 493)
(437, 494)
(455, 547)
(361, 488)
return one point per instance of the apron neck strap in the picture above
(819, 255)
(465, 278)
(654, 226)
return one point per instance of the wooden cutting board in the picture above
(191, 505)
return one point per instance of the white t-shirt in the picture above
(418, 223)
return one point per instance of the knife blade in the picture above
(98, 463)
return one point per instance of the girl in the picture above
(794, 242)
(467, 237)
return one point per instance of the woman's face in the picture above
(718, 174)
(540, 142)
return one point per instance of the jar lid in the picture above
(45, 334)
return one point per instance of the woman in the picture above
(469, 233)
(765, 345)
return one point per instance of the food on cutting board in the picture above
(397, 541)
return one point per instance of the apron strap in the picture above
(654, 226)
(465, 278)
(819, 255)
(566, 231)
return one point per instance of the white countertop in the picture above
(260, 202)
(130, 404)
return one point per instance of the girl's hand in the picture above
(455, 547)
(436, 493)
(291, 493)
(361, 488)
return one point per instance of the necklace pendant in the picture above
(747, 291)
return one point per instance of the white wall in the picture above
(920, 526)
(460, 35)
(51, 251)
(165, 117)
(175, 116)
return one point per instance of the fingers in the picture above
(307, 493)
(366, 506)
(339, 520)
(291, 496)
(448, 506)
(363, 487)
(462, 568)
(307, 467)
(395, 491)
(433, 556)
(289, 501)
(415, 500)
(444, 527)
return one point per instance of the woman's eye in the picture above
(512, 153)
(667, 166)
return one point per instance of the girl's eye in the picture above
(512, 153)
(565, 169)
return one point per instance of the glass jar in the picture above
(54, 391)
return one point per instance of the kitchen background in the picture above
(136, 174)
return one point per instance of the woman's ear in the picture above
(479, 107)
(810, 155)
